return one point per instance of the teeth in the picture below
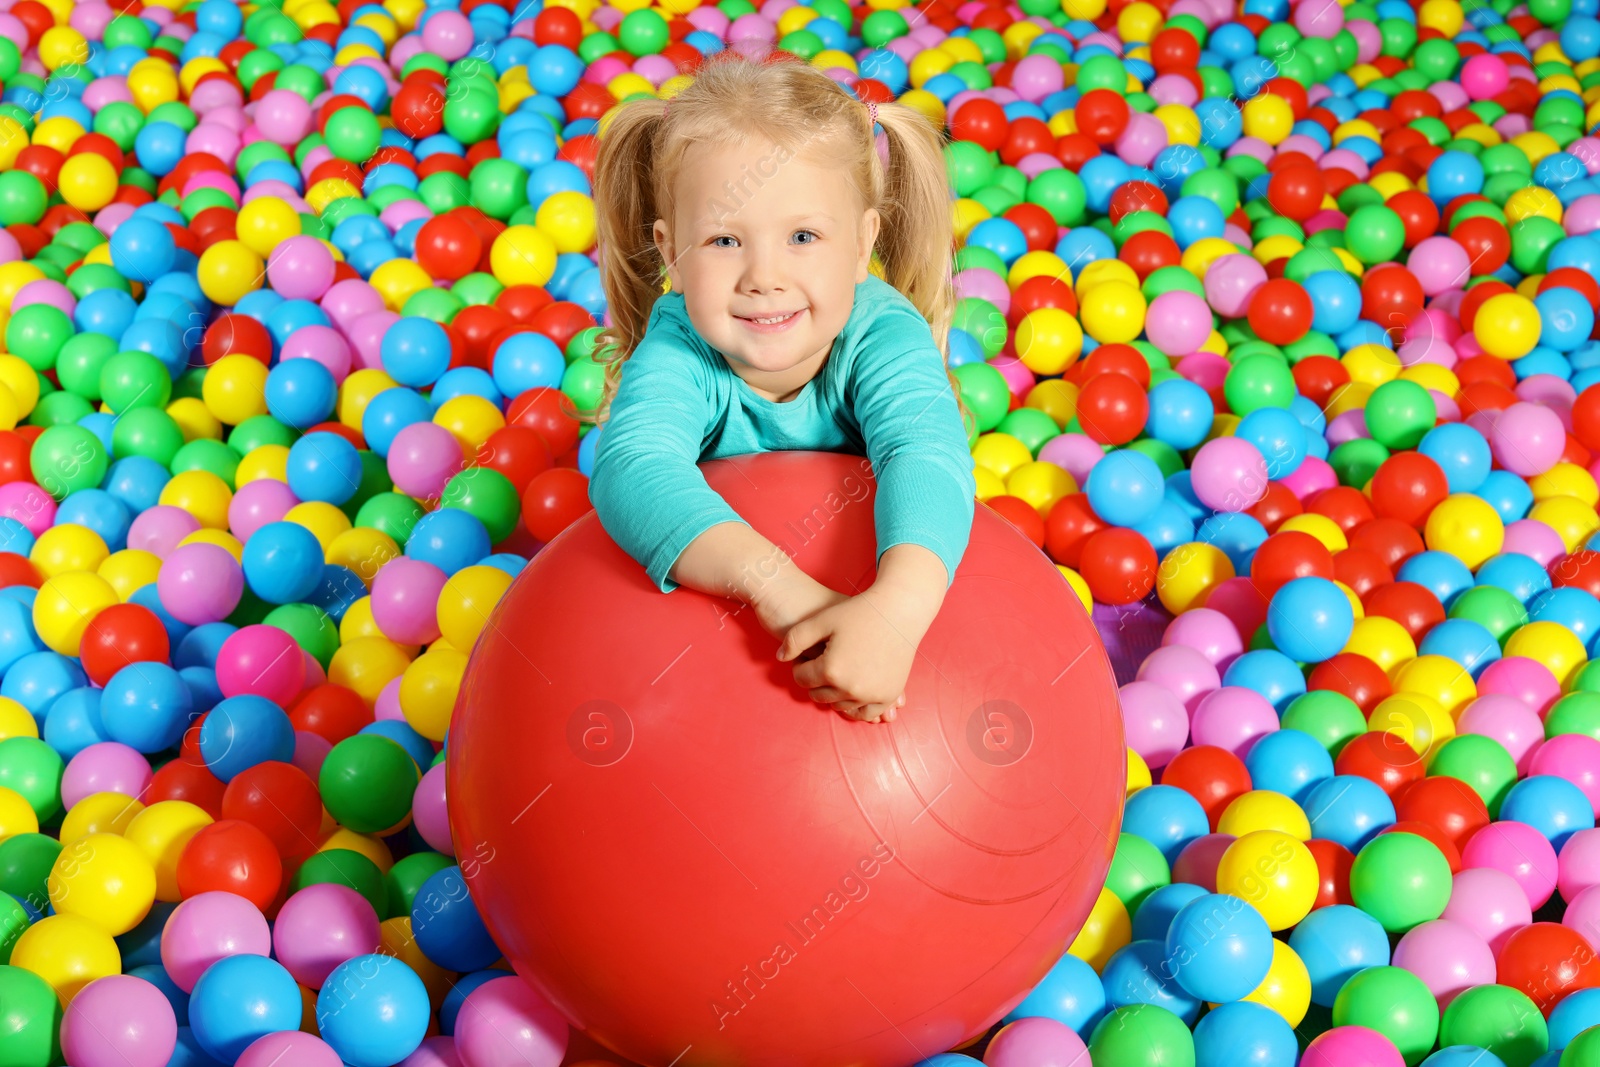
(773, 319)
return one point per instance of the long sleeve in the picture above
(646, 485)
(915, 440)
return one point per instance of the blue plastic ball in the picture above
(283, 562)
(415, 351)
(446, 923)
(448, 538)
(373, 1010)
(1070, 993)
(1290, 762)
(1349, 810)
(1139, 973)
(1310, 619)
(243, 731)
(301, 393)
(1334, 943)
(1551, 805)
(1218, 948)
(527, 361)
(324, 466)
(1244, 1034)
(1156, 911)
(240, 999)
(1166, 816)
(1125, 488)
(146, 706)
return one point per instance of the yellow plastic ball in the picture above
(264, 224)
(1263, 809)
(356, 392)
(428, 690)
(88, 181)
(468, 597)
(1565, 479)
(1412, 719)
(130, 570)
(567, 218)
(397, 940)
(1321, 527)
(1107, 929)
(15, 721)
(22, 380)
(105, 879)
(1383, 641)
(1507, 326)
(1138, 773)
(1466, 526)
(523, 255)
(470, 419)
(1438, 677)
(398, 280)
(1079, 586)
(228, 271)
(1048, 341)
(1001, 453)
(68, 952)
(1274, 873)
(361, 844)
(1270, 118)
(99, 813)
(202, 494)
(1188, 573)
(65, 605)
(16, 814)
(68, 547)
(990, 484)
(1551, 644)
(1041, 483)
(325, 521)
(1056, 398)
(234, 388)
(363, 550)
(1568, 516)
(1287, 987)
(263, 461)
(366, 665)
(160, 832)
(1113, 313)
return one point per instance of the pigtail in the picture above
(916, 237)
(625, 213)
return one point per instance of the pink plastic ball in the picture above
(200, 583)
(1228, 474)
(258, 503)
(506, 1023)
(1438, 263)
(1575, 757)
(301, 268)
(283, 116)
(1188, 674)
(1484, 76)
(207, 927)
(405, 600)
(1579, 864)
(1178, 322)
(1233, 718)
(322, 926)
(1155, 724)
(261, 660)
(1528, 680)
(1506, 719)
(429, 814)
(434, 1052)
(422, 458)
(1489, 902)
(289, 1046)
(1528, 439)
(1207, 631)
(1035, 1042)
(1351, 1046)
(1231, 281)
(105, 767)
(1036, 77)
(1583, 915)
(1074, 453)
(1449, 957)
(1534, 539)
(119, 1021)
(1520, 851)
(29, 505)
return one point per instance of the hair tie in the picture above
(872, 115)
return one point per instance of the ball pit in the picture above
(1277, 322)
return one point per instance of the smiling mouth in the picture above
(769, 320)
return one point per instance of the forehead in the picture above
(759, 184)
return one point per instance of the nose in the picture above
(763, 272)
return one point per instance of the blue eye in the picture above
(723, 237)
(811, 233)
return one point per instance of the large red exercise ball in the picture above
(627, 776)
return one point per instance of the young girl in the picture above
(758, 196)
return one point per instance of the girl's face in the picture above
(767, 249)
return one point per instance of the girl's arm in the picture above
(915, 439)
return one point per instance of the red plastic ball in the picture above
(1547, 961)
(119, 635)
(448, 248)
(1447, 803)
(1361, 570)
(1408, 486)
(1276, 506)
(1333, 872)
(554, 500)
(981, 121)
(1288, 555)
(1411, 605)
(1280, 312)
(1212, 775)
(517, 452)
(1119, 565)
(331, 711)
(1346, 506)
(1068, 527)
(1101, 115)
(186, 780)
(1296, 192)
(1112, 409)
(282, 802)
(1390, 540)
(1021, 514)
(1352, 675)
(236, 335)
(1579, 570)
(548, 412)
(1383, 757)
(231, 856)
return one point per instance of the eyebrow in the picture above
(793, 220)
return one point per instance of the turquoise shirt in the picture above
(882, 393)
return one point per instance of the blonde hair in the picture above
(643, 145)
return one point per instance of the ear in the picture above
(870, 221)
(666, 249)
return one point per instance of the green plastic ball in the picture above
(1375, 234)
(366, 783)
(1481, 762)
(1137, 869)
(37, 333)
(1497, 1018)
(33, 769)
(30, 1018)
(353, 134)
(130, 380)
(1142, 1035)
(1258, 381)
(67, 458)
(343, 866)
(1392, 1001)
(1399, 413)
(1331, 717)
(405, 879)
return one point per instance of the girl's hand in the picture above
(785, 603)
(852, 657)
